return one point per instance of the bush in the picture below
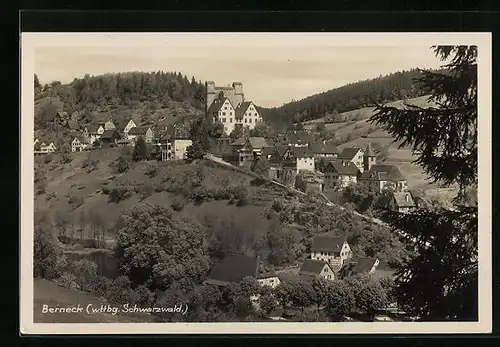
(105, 189)
(151, 171)
(48, 259)
(178, 205)
(118, 194)
(146, 190)
(75, 201)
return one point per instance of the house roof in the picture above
(301, 152)
(343, 167)
(241, 109)
(324, 148)
(312, 267)
(108, 134)
(121, 126)
(256, 142)
(298, 137)
(138, 130)
(364, 265)
(349, 153)
(327, 243)
(92, 128)
(73, 124)
(82, 139)
(233, 269)
(216, 105)
(383, 172)
(268, 151)
(369, 151)
(403, 199)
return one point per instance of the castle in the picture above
(227, 105)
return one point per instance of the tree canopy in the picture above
(439, 281)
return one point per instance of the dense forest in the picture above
(396, 86)
(107, 92)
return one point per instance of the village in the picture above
(295, 159)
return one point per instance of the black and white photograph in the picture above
(280, 182)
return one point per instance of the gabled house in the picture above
(79, 144)
(246, 114)
(382, 176)
(311, 269)
(333, 250)
(142, 131)
(109, 137)
(41, 147)
(354, 155)
(324, 150)
(363, 266)
(402, 202)
(298, 158)
(245, 149)
(73, 125)
(233, 268)
(125, 128)
(108, 125)
(340, 174)
(295, 139)
(222, 110)
(274, 156)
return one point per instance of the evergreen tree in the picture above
(439, 282)
(140, 150)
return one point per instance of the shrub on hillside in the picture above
(75, 201)
(152, 170)
(178, 205)
(146, 190)
(118, 194)
(243, 199)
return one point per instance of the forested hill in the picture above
(148, 97)
(396, 86)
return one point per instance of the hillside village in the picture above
(294, 162)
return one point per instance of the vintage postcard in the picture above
(304, 183)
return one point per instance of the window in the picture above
(223, 113)
(250, 120)
(245, 120)
(225, 107)
(230, 120)
(230, 113)
(225, 129)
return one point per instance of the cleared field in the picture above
(53, 295)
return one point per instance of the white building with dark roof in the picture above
(333, 250)
(227, 105)
(311, 269)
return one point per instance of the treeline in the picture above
(113, 89)
(396, 86)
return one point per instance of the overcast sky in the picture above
(271, 73)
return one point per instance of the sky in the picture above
(272, 72)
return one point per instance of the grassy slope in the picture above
(51, 294)
(71, 180)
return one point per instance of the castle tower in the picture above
(211, 95)
(239, 96)
(369, 157)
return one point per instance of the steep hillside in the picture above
(155, 99)
(397, 86)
